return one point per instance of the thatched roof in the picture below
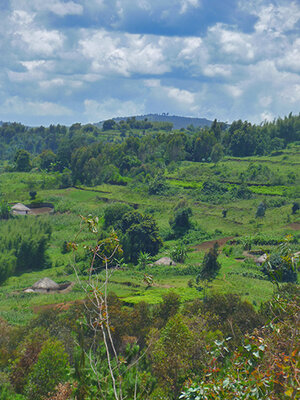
(165, 261)
(20, 207)
(46, 283)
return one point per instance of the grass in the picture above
(185, 179)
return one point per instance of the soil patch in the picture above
(41, 210)
(57, 306)
(207, 245)
(294, 225)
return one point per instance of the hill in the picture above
(177, 121)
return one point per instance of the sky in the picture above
(67, 61)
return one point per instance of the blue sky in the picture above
(66, 61)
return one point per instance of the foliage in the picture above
(23, 245)
(180, 222)
(22, 160)
(281, 265)
(25, 358)
(170, 355)
(210, 264)
(4, 210)
(295, 207)
(32, 194)
(114, 212)
(157, 185)
(144, 260)
(179, 253)
(140, 234)
(261, 209)
(50, 369)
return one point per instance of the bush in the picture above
(281, 265)
(114, 212)
(23, 244)
(261, 210)
(179, 253)
(181, 223)
(140, 234)
(50, 369)
(210, 264)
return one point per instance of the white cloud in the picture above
(59, 8)
(18, 106)
(236, 45)
(180, 95)
(62, 9)
(111, 107)
(30, 38)
(186, 4)
(234, 90)
(277, 18)
(291, 59)
(123, 55)
(213, 70)
(267, 116)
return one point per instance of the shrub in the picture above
(50, 369)
(114, 212)
(181, 223)
(179, 253)
(210, 264)
(261, 210)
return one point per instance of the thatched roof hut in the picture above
(20, 209)
(45, 285)
(165, 261)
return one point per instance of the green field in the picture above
(184, 181)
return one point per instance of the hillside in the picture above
(105, 211)
(177, 121)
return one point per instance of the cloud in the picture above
(29, 38)
(16, 105)
(123, 55)
(59, 8)
(186, 4)
(101, 58)
(111, 107)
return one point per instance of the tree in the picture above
(171, 356)
(180, 222)
(114, 212)
(32, 194)
(295, 207)
(50, 369)
(217, 153)
(4, 210)
(157, 185)
(22, 160)
(210, 264)
(108, 124)
(66, 178)
(47, 159)
(261, 209)
(140, 235)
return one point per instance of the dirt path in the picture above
(294, 225)
(207, 245)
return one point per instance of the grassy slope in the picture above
(18, 307)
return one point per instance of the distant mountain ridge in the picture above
(177, 121)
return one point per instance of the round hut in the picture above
(45, 285)
(20, 209)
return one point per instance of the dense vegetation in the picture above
(214, 326)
